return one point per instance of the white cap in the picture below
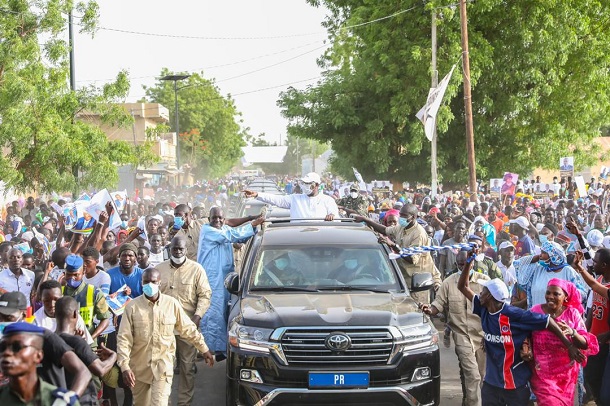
(312, 177)
(521, 222)
(595, 238)
(606, 241)
(498, 289)
(506, 244)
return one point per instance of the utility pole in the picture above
(71, 45)
(472, 172)
(433, 159)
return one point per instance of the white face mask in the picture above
(178, 261)
(354, 195)
(479, 257)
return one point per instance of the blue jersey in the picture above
(504, 333)
(134, 280)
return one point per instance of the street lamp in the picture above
(175, 79)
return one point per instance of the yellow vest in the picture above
(87, 312)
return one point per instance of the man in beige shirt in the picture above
(187, 282)
(146, 342)
(466, 329)
(408, 233)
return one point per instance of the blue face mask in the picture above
(150, 289)
(543, 238)
(545, 264)
(281, 263)
(351, 263)
(178, 222)
(73, 283)
(403, 222)
(123, 224)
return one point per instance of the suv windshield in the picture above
(325, 267)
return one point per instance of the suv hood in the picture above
(330, 309)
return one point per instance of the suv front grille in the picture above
(307, 346)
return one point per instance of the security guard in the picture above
(354, 202)
(91, 300)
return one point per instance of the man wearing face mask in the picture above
(187, 282)
(91, 300)
(408, 233)
(310, 204)
(354, 202)
(146, 342)
(280, 272)
(506, 251)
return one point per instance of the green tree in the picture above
(539, 72)
(212, 139)
(46, 148)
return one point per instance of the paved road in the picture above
(210, 384)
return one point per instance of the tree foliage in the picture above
(210, 139)
(45, 148)
(539, 74)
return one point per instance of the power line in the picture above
(246, 92)
(214, 66)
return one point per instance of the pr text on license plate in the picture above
(338, 379)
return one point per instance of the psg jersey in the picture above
(504, 333)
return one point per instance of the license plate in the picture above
(338, 379)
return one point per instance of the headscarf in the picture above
(572, 294)
(392, 212)
(557, 256)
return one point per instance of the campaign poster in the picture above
(509, 184)
(495, 187)
(566, 167)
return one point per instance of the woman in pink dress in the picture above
(554, 375)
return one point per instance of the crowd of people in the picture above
(521, 284)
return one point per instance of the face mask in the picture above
(150, 289)
(281, 263)
(479, 257)
(353, 195)
(545, 264)
(178, 222)
(310, 189)
(178, 261)
(351, 263)
(123, 224)
(73, 283)
(543, 238)
(403, 222)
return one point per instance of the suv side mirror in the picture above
(421, 282)
(232, 283)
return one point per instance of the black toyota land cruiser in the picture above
(320, 315)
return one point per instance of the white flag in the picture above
(427, 114)
(359, 179)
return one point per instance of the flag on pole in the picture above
(427, 114)
(359, 179)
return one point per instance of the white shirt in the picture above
(302, 206)
(155, 259)
(10, 283)
(509, 275)
(42, 320)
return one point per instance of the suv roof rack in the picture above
(288, 221)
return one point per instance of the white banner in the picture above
(427, 114)
(359, 179)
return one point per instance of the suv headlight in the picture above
(417, 336)
(251, 338)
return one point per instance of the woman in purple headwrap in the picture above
(554, 375)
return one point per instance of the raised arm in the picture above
(587, 277)
(464, 281)
(380, 228)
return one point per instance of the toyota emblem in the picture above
(338, 342)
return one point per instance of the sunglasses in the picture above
(15, 346)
